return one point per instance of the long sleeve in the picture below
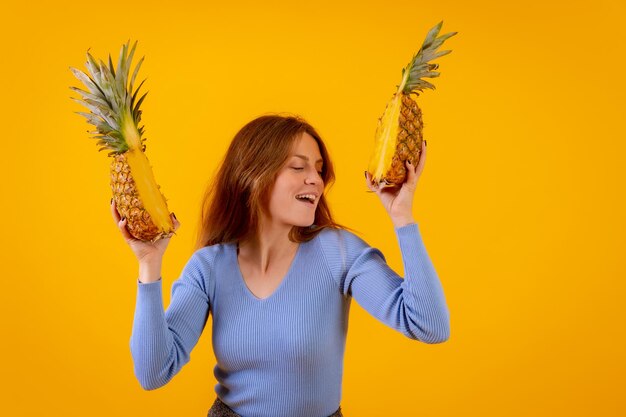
(415, 305)
(161, 342)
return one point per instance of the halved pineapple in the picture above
(399, 131)
(114, 111)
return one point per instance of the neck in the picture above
(270, 245)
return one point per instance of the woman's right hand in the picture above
(144, 251)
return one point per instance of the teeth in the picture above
(310, 197)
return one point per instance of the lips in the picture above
(306, 201)
(310, 197)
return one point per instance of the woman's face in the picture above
(300, 175)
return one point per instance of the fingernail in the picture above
(174, 216)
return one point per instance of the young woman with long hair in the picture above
(277, 275)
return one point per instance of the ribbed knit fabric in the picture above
(282, 356)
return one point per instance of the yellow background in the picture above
(521, 203)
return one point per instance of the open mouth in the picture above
(306, 200)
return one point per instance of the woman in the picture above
(277, 275)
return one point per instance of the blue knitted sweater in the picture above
(283, 355)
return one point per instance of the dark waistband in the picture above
(219, 409)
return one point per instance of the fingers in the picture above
(175, 221)
(368, 182)
(414, 172)
(422, 161)
(410, 173)
(121, 223)
(114, 212)
(122, 226)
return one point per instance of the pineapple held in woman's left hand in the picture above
(115, 113)
(399, 131)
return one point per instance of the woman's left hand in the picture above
(399, 201)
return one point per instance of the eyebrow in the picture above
(306, 158)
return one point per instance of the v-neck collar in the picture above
(290, 271)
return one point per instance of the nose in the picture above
(314, 178)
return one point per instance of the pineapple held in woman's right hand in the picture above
(115, 112)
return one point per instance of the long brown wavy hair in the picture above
(240, 191)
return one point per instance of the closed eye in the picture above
(298, 169)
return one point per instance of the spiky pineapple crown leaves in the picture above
(115, 110)
(420, 66)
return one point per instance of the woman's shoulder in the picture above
(341, 247)
(340, 237)
(208, 254)
(203, 262)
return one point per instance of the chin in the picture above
(303, 220)
(306, 223)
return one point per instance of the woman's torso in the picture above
(281, 354)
